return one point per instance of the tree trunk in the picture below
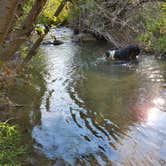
(7, 13)
(18, 14)
(24, 33)
(36, 45)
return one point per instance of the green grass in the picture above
(10, 148)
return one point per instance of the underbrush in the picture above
(154, 35)
(10, 148)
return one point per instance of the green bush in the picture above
(10, 149)
(47, 13)
(154, 35)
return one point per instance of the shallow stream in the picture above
(93, 112)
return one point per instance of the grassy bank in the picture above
(10, 149)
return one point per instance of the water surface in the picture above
(94, 112)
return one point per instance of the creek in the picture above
(93, 112)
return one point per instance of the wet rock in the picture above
(55, 42)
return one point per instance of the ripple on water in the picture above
(95, 113)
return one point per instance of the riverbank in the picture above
(123, 23)
(20, 93)
(11, 149)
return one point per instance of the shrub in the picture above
(155, 29)
(48, 12)
(10, 149)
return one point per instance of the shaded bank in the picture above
(25, 93)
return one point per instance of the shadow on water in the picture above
(94, 112)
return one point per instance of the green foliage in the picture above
(89, 5)
(10, 150)
(28, 5)
(40, 30)
(155, 32)
(54, 19)
(47, 14)
(73, 12)
(83, 9)
(164, 7)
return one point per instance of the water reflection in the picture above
(147, 138)
(96, 113)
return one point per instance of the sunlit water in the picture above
(94, 112)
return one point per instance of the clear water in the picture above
(94, 112)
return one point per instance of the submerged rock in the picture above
(55, 42)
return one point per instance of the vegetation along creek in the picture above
(63, 103)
